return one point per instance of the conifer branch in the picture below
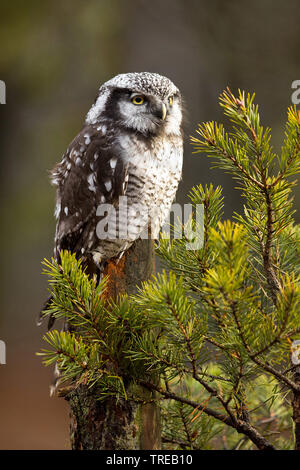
(240, 426)
(221, 322)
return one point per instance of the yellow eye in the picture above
(138, 99)
(170, 100)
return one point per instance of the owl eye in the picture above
(171, 100)
(138, 99)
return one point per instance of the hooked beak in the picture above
(163, 111)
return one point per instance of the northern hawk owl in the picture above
(130, 149)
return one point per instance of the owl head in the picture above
(146, 103)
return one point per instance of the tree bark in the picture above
(117, 425)
(296, 410)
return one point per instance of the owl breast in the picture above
(153, 174)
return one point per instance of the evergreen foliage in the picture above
(217, 327)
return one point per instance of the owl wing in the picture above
(91, 173)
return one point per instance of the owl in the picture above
(121, 172)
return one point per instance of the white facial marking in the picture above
(137, 117)
(66, 210)
(174, 119)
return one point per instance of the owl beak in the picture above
(163, 111)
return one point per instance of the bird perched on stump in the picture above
(121, 170)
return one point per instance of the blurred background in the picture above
(54, 56)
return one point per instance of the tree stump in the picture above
(111, 424)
